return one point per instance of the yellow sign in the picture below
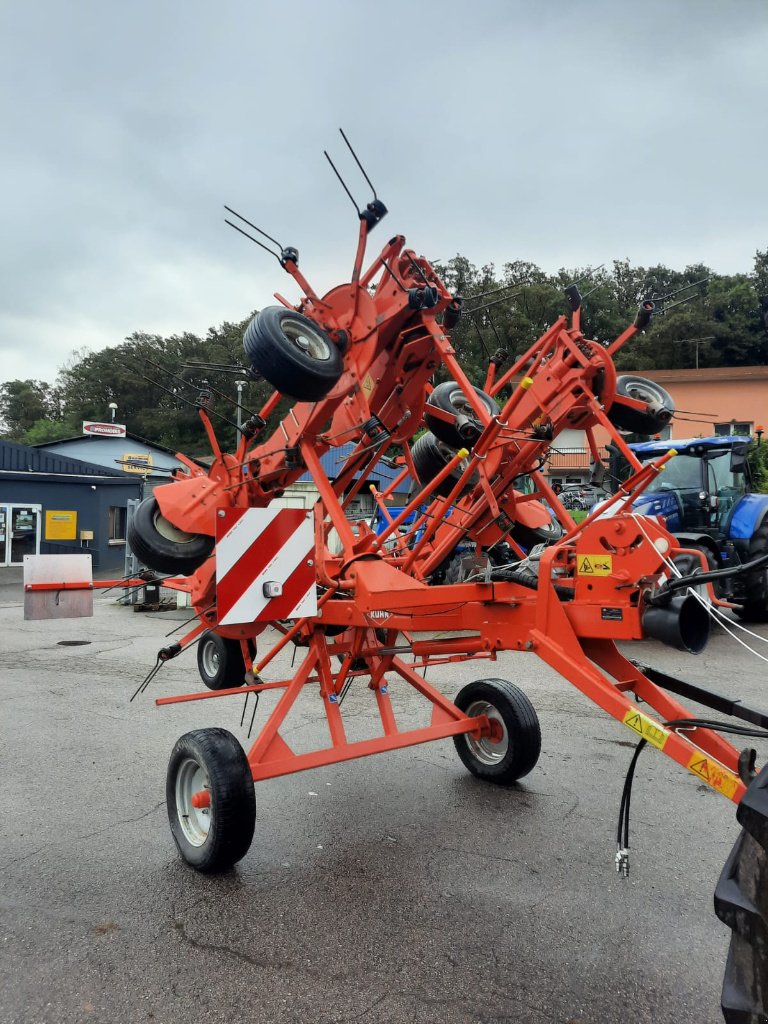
(645, 727)
(595, 565)
(138, 463)
(368, 383)
(60, 525)
(714, 775)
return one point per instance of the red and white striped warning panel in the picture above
(265, 565)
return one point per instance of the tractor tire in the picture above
(450, 398)
(212, 838)
(660, 406)
(529, 536)
(291, 352)
(688, 564)
(741, 902)
(755, 605)
(511, 755)
(157, 543)
(220, 661)
(430, 456)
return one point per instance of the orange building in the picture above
(708, 401)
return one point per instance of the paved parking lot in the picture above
(397, 888)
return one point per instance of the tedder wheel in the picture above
(449, 397)
(220, 661)
(660, 406)
(741, 902)
(295, 355)
(430, 456)
(513, 747)
(211, 802)
(156, 542)
(755, 605)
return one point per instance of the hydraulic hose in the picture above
(683, 582)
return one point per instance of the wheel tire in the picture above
(429, 457)
(158, 544)
(755, 605)
(220, 661)
(688, 564)
(450, 398)
(661, 407)
(211, 759)
(291, 352)
(741, 902)
(528, 536)
(517, 751)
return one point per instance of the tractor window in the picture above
(723, 478)
(682, 473)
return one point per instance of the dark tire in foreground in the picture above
(430, 456)
(741, 902)
(660, 407)
(220, 661)
(755, 606)
(515, 744)
(157, 543)
(465, 427)
(291, 352)
(215, 837)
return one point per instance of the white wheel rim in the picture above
(168, 531)
(210, 658)
(484, 749)
(310, 342)
(195, 822)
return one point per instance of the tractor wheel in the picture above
(755, 605)
(513, 748)
(450, 398)
(741, 902)
(430, 456)
(157, 543)
(291, 352)
(220, 661)
(211, 764)
(660, 406)
(688, 564)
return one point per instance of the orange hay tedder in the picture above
(360, 364)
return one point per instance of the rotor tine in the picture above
(362, 169)
(343, 183)
(250, 225)
(252, 239)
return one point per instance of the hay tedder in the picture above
(371, 362)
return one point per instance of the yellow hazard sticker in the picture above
(714, 774)
(646, 728)
(367, 384)
(595, 565)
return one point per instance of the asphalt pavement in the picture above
(397, 888)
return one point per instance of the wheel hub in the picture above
(492, 746)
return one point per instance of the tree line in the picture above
(706, 319)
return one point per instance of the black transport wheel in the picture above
(529, 536)
(755, 605)
(660, 408)
(430, 456)
(157, 543)
(513, 748)
(295, 355)
(213, 837)
(220, 661)
(741, 902)
(465, 428)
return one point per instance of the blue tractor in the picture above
(705, 495)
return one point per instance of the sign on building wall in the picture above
(104, 429)
(140, 462)
(60, 525)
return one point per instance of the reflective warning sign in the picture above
(595, 565)
(714, 775)
(646, 728)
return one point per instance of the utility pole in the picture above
(239, 384)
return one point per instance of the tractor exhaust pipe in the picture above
(681, 622)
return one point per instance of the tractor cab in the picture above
(699, 489)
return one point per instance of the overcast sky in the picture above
(559, 132)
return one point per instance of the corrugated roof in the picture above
(333, 464)
(22, 458)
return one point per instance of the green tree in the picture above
(23, 403)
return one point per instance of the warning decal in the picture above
(368, 384)
(594, 565)
(714, 775)
(645, 727)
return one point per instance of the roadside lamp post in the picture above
(759, 433)
(239, 384)
(113, 409)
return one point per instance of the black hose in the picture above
(697, 578)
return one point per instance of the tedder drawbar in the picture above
(360, 365)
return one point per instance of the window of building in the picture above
(734, 427)
(117, 519)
